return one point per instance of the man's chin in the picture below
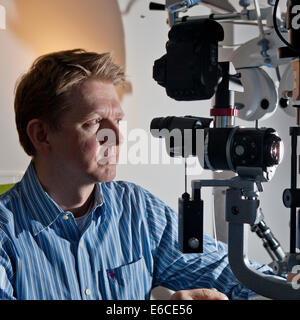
(106, 173)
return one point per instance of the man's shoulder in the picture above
(9, 200)
(10, 195)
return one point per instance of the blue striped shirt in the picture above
(128, 247)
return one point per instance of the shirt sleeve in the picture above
(178, 271)
(6, 273)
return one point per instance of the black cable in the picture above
(278, 73)
(278, 32)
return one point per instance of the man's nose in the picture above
(110, 132)
(119, 135)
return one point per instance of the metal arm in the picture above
(266, 285)
(270, 243)
(176, 6)
(241, 209)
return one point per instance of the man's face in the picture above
(80, 147)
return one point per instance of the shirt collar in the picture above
(42, 208)
(98, 199)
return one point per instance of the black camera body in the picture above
(190, 70)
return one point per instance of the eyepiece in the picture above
(181, 123)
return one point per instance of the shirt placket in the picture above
(81, 256)
(84, 270)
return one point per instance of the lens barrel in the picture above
(229, 148)
(222, 148)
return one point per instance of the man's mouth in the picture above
(107, 156)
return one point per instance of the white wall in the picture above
(137, 36)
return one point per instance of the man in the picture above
(67, 231)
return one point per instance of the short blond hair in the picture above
(41, 93)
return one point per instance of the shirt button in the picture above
(65, 217)
(81, 245)
(87, 292)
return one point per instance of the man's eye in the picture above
(94, 122)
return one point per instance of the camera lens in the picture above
(228, 148)
(274, 149)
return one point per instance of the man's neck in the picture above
(74, 197)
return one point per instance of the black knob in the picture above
(244, 3)
(284, 103)
(291, 198)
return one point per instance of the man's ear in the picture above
(37, 131)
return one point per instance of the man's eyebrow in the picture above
(120, 114)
